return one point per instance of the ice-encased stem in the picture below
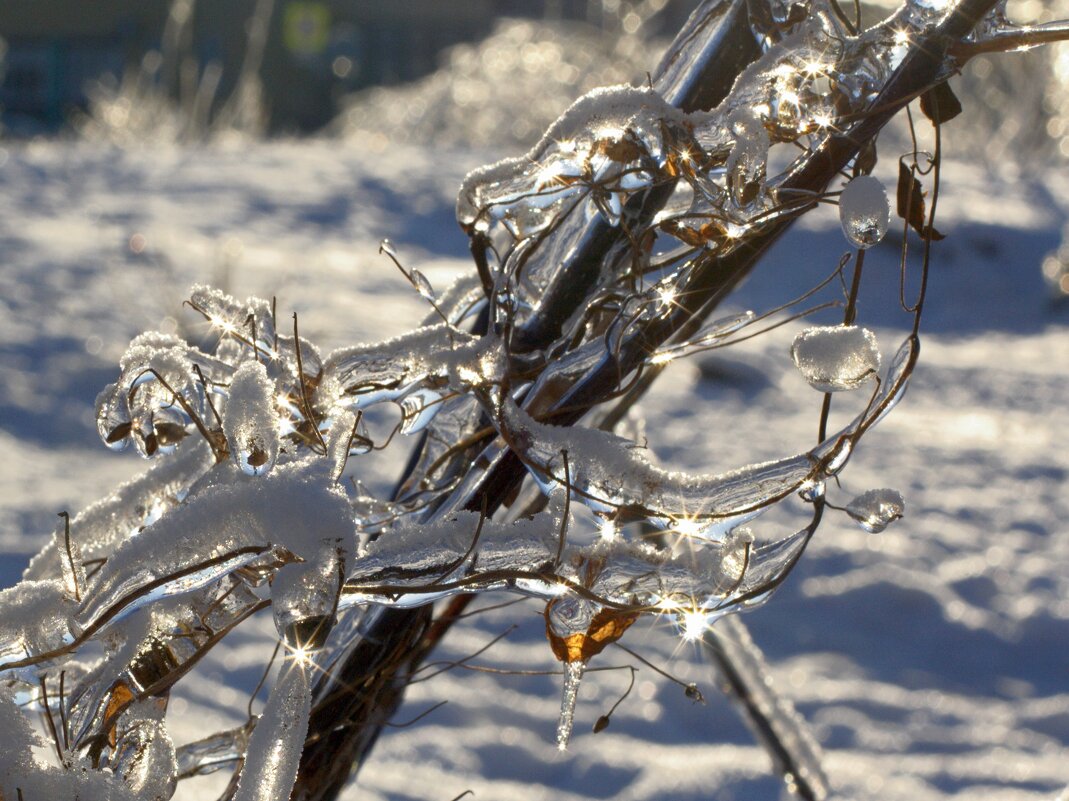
(573, 676)
(277, 741)
(773, 719)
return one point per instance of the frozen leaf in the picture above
(876, 509)
(578, 628)
(940, 104)
(836, 358)
(911, 203)
(864, 211)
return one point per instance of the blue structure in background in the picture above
(316, 50)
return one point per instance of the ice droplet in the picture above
(573, 675)
(113, 417)
(864, 211)
(422, 285)
(876, 509)
(836, 357)
(250, 424)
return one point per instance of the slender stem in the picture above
(1023, 38)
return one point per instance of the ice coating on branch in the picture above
(746, 165)
(414, 561)
(35, 618)
(707, 337)
(221, 528)
(864, 211)
(732, 645)
(72, 566)
(612, 476)
(145, 754)
(600, 134)
(419, 362)
(876, 509)
(275, 746)
(836, 358)
(212, 753)
(250, 424)
(99, 528)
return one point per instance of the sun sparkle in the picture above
(667, 296)
(692, 624)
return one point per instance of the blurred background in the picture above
(305, 54)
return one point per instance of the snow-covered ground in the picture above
(932, 660)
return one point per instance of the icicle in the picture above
(876, 509)
(864, 211)
(837, 357)
(276, 743)
(250, 423)
(304, 597)
(573, 676)
(145, 754)
(746, 165)
(339, 446)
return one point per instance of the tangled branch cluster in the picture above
(597, 258)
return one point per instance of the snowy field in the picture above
(931, 660)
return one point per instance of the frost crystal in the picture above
(837, 357)
(864, 211)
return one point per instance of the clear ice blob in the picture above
(876, 509)
(864, 211)
(835, 358)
